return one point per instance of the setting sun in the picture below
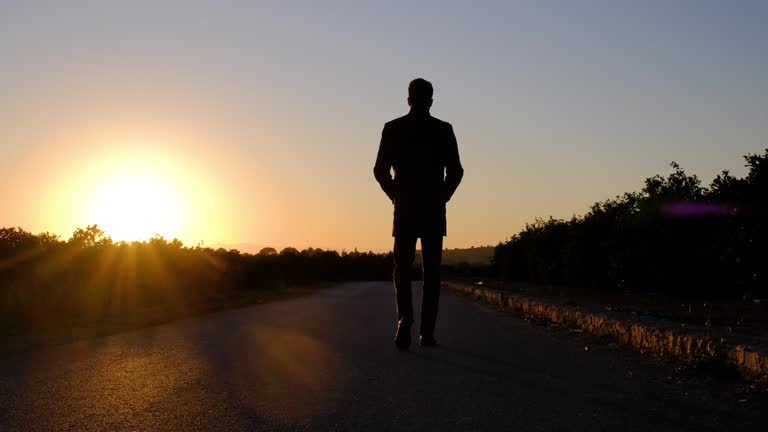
(135, 208)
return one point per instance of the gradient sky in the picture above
(265, 117)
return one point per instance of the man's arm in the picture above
(384, 161)
(453, 169)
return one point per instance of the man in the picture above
(422, 152)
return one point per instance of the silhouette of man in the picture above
(422, 152)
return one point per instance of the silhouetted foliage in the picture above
(88, 278)
(674, 236)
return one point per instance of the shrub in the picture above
(675, 236)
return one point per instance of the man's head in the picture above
(420, 94)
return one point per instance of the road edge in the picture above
(654, 336)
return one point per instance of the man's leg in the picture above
(404, 253)
(432, 254)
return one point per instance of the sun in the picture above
(136, 207)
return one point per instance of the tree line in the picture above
(90, 277)
(675, 236)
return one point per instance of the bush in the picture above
(674, 236)
(90, 277)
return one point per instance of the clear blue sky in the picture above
(555, 105)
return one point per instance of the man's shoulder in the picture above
(396, 122)
(440, 123)
(403, 120)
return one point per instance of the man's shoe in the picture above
(427, 341)
(403, 336)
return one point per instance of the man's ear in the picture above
(410, 103)
(429, 105)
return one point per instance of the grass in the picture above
(14, 338)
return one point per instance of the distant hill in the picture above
(474, 255)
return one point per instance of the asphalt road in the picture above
(327, 362)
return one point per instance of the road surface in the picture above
(327, 362)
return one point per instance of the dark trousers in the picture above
(431, 255)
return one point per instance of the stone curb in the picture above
(657, 337)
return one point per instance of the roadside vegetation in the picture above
(675, 236)
(46, 282)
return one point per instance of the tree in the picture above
(289, 251)
(48, 240)
(16, 239)
(267, 251)
(676, 186)
(91, 236)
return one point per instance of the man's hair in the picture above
(420, 91)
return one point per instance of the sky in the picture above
(250, 124)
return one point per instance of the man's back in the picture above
(422, 152)
(420, 149)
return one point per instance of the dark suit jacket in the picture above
(423, 153)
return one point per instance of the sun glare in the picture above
(136, 208)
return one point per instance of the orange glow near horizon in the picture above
(136, 186)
